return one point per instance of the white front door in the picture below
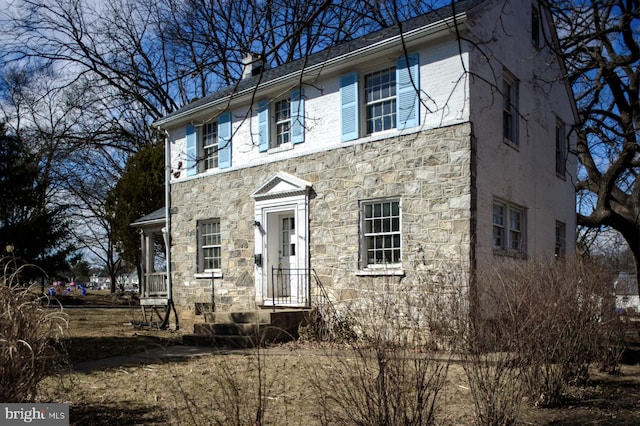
(282, 271)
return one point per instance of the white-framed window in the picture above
(383, 99)
(208, 145)
(561, 148)
(209, 142)
(380, 100)
(561, 239)
(510, 108)
(509, 228)
(381, 239)
(282, 121)
(209, 246)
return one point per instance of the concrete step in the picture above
(246, 329)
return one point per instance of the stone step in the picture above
(246, 329)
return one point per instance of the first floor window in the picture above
(210, 145)
(561, 239)
(381, 233)
(209, 245)
(509, 225)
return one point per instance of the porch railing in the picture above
(289, 286)
(154, 285)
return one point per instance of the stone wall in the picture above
(430, 171)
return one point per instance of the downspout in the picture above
(166, 232)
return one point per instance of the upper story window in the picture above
(561, 149)
(380, 100)
(281, 122)
(390, 99)
(208, 146)
(510, 108)
(381, 234)
(509, 228)
(535, 27)
(209, 246)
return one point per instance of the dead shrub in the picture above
(29, 339)
(394, 372)
(547, 315)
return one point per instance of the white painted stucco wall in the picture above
(524, 175)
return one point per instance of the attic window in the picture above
(535, 27)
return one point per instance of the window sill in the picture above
(208, 274)
(512, 144)
(284, 147)
(509, 253)
(382, 271)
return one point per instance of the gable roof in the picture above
(244, 84)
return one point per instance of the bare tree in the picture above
(601, 49)
(120, 65)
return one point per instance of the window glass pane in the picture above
(380, 91)
(210, 250)
(382, 232)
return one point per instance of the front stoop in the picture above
(246, 329)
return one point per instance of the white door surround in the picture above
(281, 222)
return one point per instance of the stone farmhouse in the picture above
(446, 140)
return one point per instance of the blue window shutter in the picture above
(224, 140)
(191, 151)
(297, 116)
(349, 107)
(263, 125)
(407, 90)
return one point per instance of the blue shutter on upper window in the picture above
(263, 125)
(407, 90)
(224, 140)
(349, 107)
(297, 116)
(191, 151)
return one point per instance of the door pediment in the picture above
(281, 185)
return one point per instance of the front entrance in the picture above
(282, 248)
(281, 257)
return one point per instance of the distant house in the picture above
(626, 290)
(371, 163)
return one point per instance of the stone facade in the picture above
(430, 171)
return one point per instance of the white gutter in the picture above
(406, 37)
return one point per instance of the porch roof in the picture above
(155, 218)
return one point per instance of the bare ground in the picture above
(205, 389)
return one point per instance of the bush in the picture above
(393, 373)
(548, 316)
(29, 340)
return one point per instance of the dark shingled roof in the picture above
(332, 52)
(152, 218)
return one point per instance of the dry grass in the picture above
(229, 387)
